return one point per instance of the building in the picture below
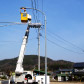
(64, 74)
(78, 71)
(2, 74)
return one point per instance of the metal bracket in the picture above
(34, 25)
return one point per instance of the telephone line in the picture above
(62, 46)
(33, 10)
(14, 22)
(9, 25)
(66, 41)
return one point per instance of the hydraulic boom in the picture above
(19, 66)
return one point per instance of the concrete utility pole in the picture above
(39, 49)
(45, 55)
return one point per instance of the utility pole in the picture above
(39, 49)
(45, 54)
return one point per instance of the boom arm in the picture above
(19, 66)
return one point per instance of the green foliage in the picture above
(60, 64)
(4, 77)
(76, 78)
(30, 62)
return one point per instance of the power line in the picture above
(14, 22)
(63, 40)
(15, 41)
(36, 10)
(42, 11)
(11, 23)
(33, 10)
(35, 3)
(57, 38)
(66, 41)
(7, 25)
(7, 41)
(62, 46)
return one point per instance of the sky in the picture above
(65, 29)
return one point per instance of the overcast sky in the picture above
(65, 29)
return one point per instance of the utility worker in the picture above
(24, 15)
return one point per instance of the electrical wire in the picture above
(42, 11)
(33, 10)
(35, 3)
(63, 40)
(36, 13)
(9, 25)
(57, 39)
(36, 10)
(66, 41)
(15, 41)
(7, 41)
(62, 46)
(12, 23)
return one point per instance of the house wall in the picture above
(62, 78)
(66, 72)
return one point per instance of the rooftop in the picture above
(65, 70)
(79, 65)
